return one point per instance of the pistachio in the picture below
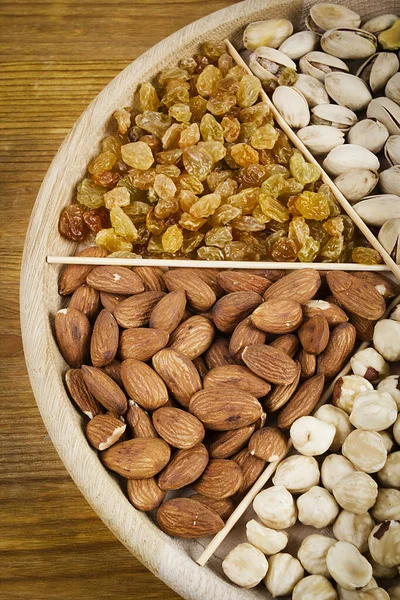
(369, 133)
(389, 180)
(299, 44)
(321, 139)
(349, 43)
(349, 156)
(392, 89)
(392, 150)
(312, 89)
(267, 64)
(333, 115)
(318, 64)
(378, 69)
(271, 33)
(355, 184)
(376, 210)
(326, 16)
(292, 105)
(389, 236)
(378, 24)
(387, 112)
(348, 90)
(390, 39)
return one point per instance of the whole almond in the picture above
(74, 276)
(341, 344)
(142, 343)
(80, 394)
(115, 280)
(333, 314)
(186, 518)
(224, 507)
(139, 458)
(178, 427)
(105, 338)
(152, 278)
(85, 299)
(221, 479)
(200, 296)
(268, 443)
(139, 421)
(229, 310)
(356, 295)
(271, 274)
(135, 311)
(364, 327)
(288, 343)
(73, 335)
(251, 466)
(281, 394)
(385, 286)
(300, 286)
(179, 374)
(104, 389)
(225, 408)
(308, 364)
(210, 277)
(111, 301)
(103, 431)
(200, 366)
(185, 467)
(218, 354)
(303, 402)
(270, 364)
(168, 313)
(145, 494)
(314, 334)
(245, 334)
(113, 370)
(193, 337)
(234, 281)
(143, 384)
(228, 443)
(278, 316)
(238, 376)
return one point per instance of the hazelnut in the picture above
(265, 539)
(297, 473)
(396, 430)
(347, 388)
(389, 475)
(283, 574)
(387, 339)
(394, 592)
(333, 469)
(387, 505)
(346, 595)
(369, 364)
(391, 384)
(348, 567)
(312, 553)
(245, 565)
(387, 440)
(339, 419)
(366, 450)
(373, 410)
(354, 529)
(374, 594)
(317, 508)
(356, 492)
(379, 571)
(384, 543)
(275, 507)
(312, 437)
(312, 587)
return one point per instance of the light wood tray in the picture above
(169, 559)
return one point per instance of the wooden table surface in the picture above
(56, 56)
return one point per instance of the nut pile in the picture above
(179, 371)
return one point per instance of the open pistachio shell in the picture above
(350, 156)
(378, 69)
(392, 150)
(349, 43)
(389, 234)
(392, 89)
(370, 134)
(271, 32)
(390, 180)
(318, 64)
(357, 183)
(292, 105)
(387, 112)
(390, 39)
(266, 63)
(321, 139)
(348, 90)
(299, 44)
(378, 24)
(333, 115)
(312, 89)
(326, 16)
(376, 210)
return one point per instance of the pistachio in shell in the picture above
(376, 210)
(321, 139)
(339, 117)
(355, 184)
(312, 89)
(271, 33)
(326, 16)
(349, 43)
(389, 181)
(299, 44)
(392, 150)
(387, 112)
(392, 89)
(350, 156)
(369, 133)
(378, 69)
(292, 105)
(318, 64)
(348, 90)
(380, 23)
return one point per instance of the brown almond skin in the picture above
(210, 277)
(199, 295)
(152, 278)
(303, 402)
(252, 467)
(104, 389)
(104, 430)
(80, 394)
(115, 280)
(193, 337)
(281, 394)
(200, 366)
(74, 276)
(221, 479)
(278, 316)
(300, 286)
(356, 295)
(145, 494)
(73, 335)
(113, 370)
(308, 364)
(86, 300)
(341, 344)
(186, 518)
(139, 458)
(235, 281)
(185, 467)
(231, 309)
(178, 427)
(224, 507)
(333, 314)
(245, 334)
(111, 301)
(238, 376)
(135, 311)
(142, 343)
(178, 373)
(143, 384)
(139, 421)
(168, 312)
(385, 286)
(269, 363)
(288, 343)
(218, 354)
(268, 443)
(271, 274)
(228, 443)
(105, 339)
(225, 408)
(314, 334)
(364, 327)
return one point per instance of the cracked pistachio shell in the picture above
(265, 62)
(324, 16)
(318, 64)
(387, 112)
(392, 89)
(378, 69)
(392, 150)
(349, 43)
(334, 116)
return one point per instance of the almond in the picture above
(270, 364)
(224, 507)
(245, 334)
(210, 277)
(356, 295)
(86, 300)
(186, 518)
(73, 335)
(314, 334)
(103, 431)
(288, 343)
(233, 308)
(200, 366)
(74, 276)
(104, 389)
(139, 421)
(113, 370)
(142, 343)
(385, 286)
(341, 344)
(200, 296)
(268, 443)
(303, 402)
(143, 384)
(193, 337)
(135, 311)
(111, 301)
(115, 280)
(221, 479)
(271, 274)
(300, 286)
(178, 427)
(152, 278)
(105, 338)
(225, 408)
(80, 394)
(364, 327)
(237, 376)
(179, 374)
(278, 316)
(184, 468)
(308, 364)
(227, 443)
(251, 466)
(145, 494)
(282, 393)
(168, 313)
(139, 458)
(234, 281)
(333, 314)
(218, 354)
